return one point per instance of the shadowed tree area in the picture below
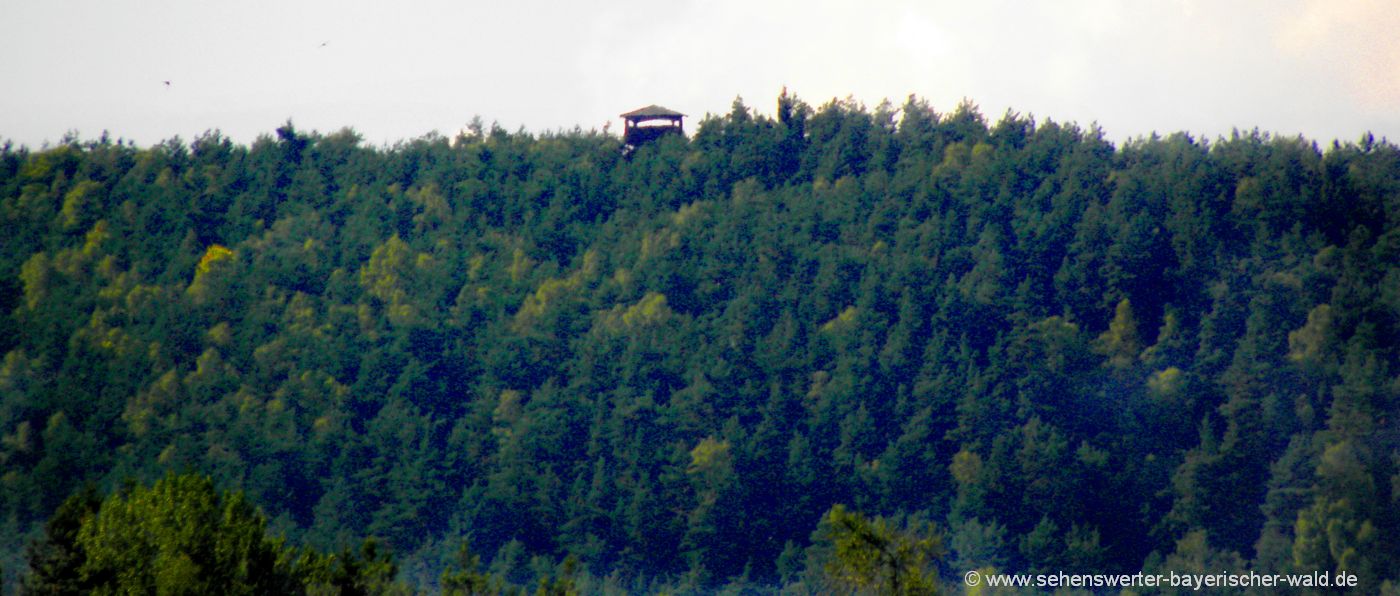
(518, 362)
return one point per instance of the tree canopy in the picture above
(667, 367)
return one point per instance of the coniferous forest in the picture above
(749, 358)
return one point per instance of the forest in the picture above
(504, 361)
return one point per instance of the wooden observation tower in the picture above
(650, 123)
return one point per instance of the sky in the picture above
(395, 71)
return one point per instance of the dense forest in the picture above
(523, 359)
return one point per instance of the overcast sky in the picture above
(398, 70)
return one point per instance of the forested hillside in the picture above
(1063, 354)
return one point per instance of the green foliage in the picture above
(465, 577)
(56, 560)
(1120, 343)
(181, 536)
(669, 365)
(371, 570)
(871, 556)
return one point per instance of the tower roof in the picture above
(653, 111)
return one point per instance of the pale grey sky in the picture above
(398, 70)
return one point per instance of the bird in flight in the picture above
(323, 44)
(167, 83)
